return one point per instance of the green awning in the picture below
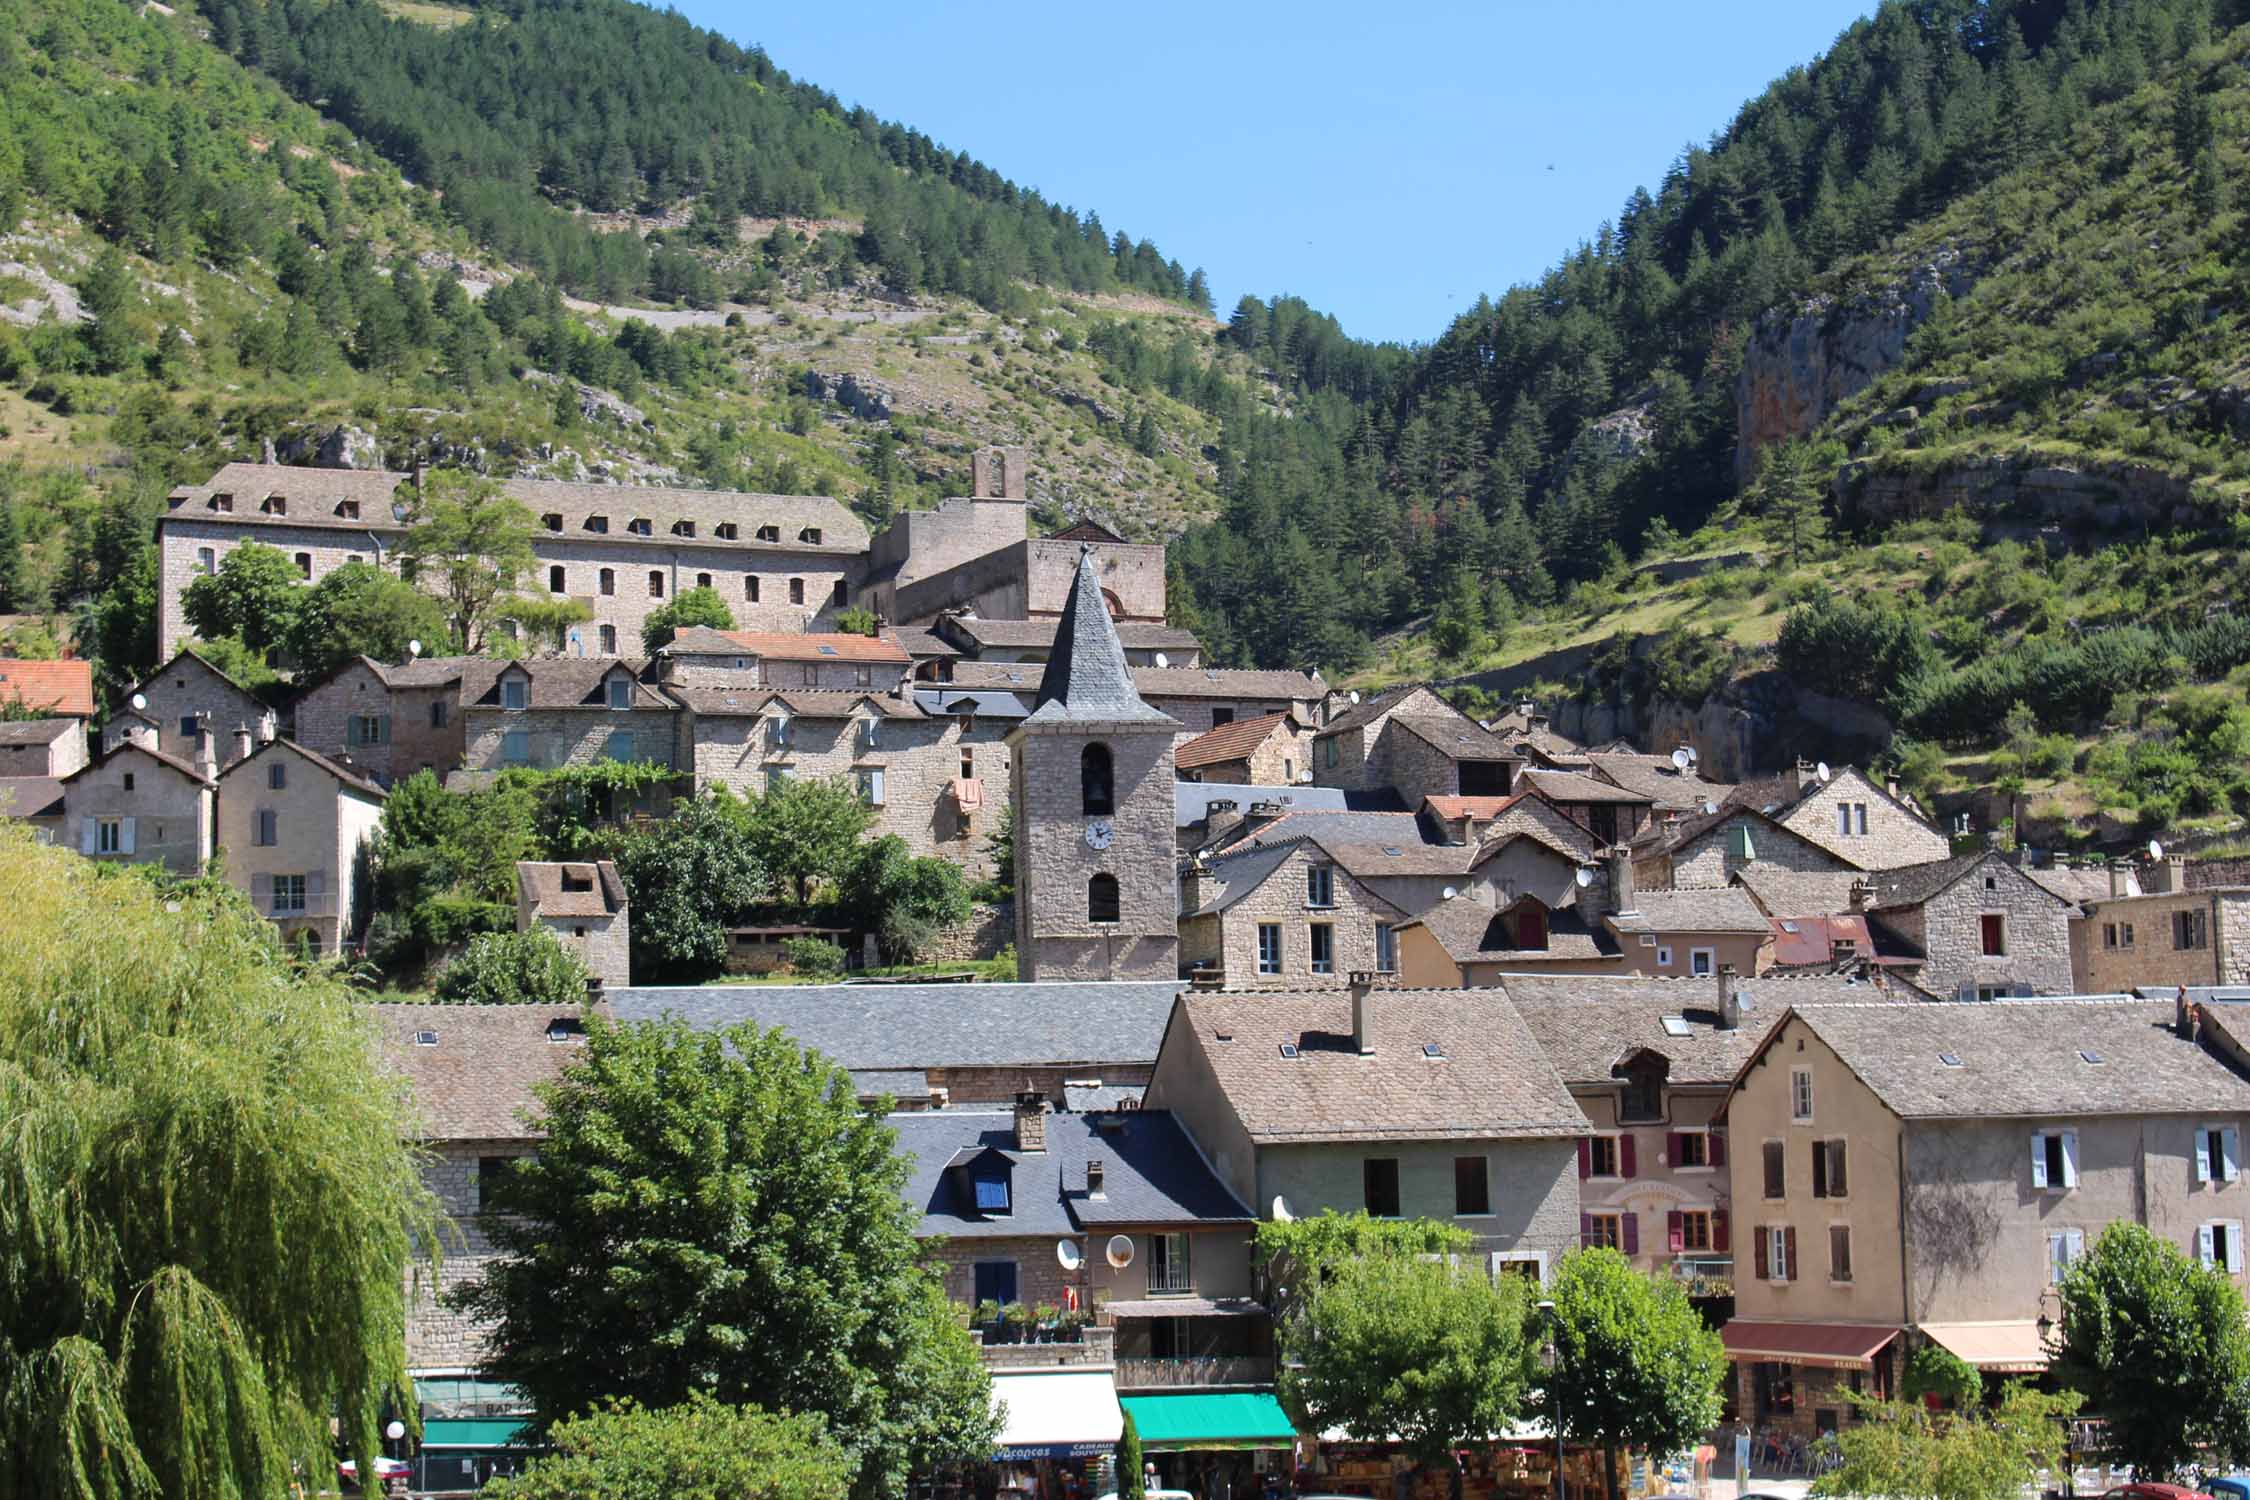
(480, 1432)
(1219, 1419)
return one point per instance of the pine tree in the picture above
(13, 596)
(301, 349)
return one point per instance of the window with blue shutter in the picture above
(620, 745)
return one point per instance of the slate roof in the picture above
(317, 498)
(899, 1083)
(1348, 826)
(933, 1025)
(1015, 675)
(1483, 809)
(802, 703)
(36, 731)
(1230, 877)
(1912, 885)
(1458, 737)
(944, 699)
(1798, 893)
(57, 687)
(774, 645)
(162, 758)
(31, 797)
(1229, 741)
(1656, 779)
(1087, 681)
(1365, 712)
(540, 887)
(1375, 861)
(1588, 1024)
(1569, 787)
(1192, 799)
(1716, 909)
(1151, 1174)
(920, 642)
(1138, 635)
(1224, 682)
(2024, 1058)
(2077, 884)
(477, 1079)
(1471, 932)
(427, 671)
(1492, 1079)
(559, 682)
(348, 777)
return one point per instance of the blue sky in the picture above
(1385, 165)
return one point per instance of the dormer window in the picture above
(769, 533)
(222, 501)
(992, 1192)
(811, 535)
(777, 731)
(348, 509)
(642, 526)
(621, 692)
(577, 878)
(552, 520)
(276, 505)
(726, 531)
(683, 528)
(599, 525)
(515, 693)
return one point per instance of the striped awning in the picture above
(1844, 1346)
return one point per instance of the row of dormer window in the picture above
(277, 505)
(605, 581)
(725, 531)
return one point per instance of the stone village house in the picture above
(2161, 933)
(1414, 741)
(583, 904)
(135, 804)
(388, 721)
(191, 705)
(293, 827)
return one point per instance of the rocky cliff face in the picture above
(1801, 361)
(2087, 495)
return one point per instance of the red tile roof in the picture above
(1228, 742)
(56, 687)
(777, 645)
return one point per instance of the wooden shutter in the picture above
(1625, 1154)
(1632, 1223)
(2070, 1158)
(2038, 1159)
(2230, 1154)
(2203, 1156)
(316, 888)
(1719, 1231)
(1820, 1169)
(1673, 1232)
(382, 729)
(1836, 1180)
(1715, 1148)
(125, 835)
(1585, 1143)
(1585, 1230)
(90, 830)
(1675, 1147)
(1789, 1252)
(2203, 1253)
(1765, 1265)
(261, 892)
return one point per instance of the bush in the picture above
(514, 968)
(814, 956)
(1860, 651)
(698, 1450)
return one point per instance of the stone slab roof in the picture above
(2027, 1058)
(1151, 1174)
(1375, 861)
(162, 758)
(1349, 826)
(319, 497)
(775, 645)
(944, 700)
(1912, 885)
(1487, 1078)
(31, 797)
(1471, 932)
(1483, 809)
(1570, 787)
(348, 778)
(37, 731)
(1229, 741)
(1224, 682)
(1027, 635)
(473, 1078)
(2079, 884)
(920, 642)
(1717, 909)
(803, 703)
(1365, 712)
(1588, 1024)
(1798, 893)
(52, 687)
(1656, 779)
(547, 889)
(1457, 738)
(560, 682)
(933, 1025)
(1086, 681)
(1193, 799)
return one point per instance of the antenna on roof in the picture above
(1821, 770)
(2155, 850)
(1680, 759)
(1162, 660)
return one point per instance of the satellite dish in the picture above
(1450, 893)
(140, 700)
(1709, 807)
(2155, 850)
(1680, 759)
(1354, 695)
(1281, 1211)
(1066, 1254)
(1162, 660)
(400, 510)
(1120, 1251)
(1821, 770)
(1693, 755)
(414, 648)
(1585, 876)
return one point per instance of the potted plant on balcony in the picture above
(1043, 1318)
(1071, 1326)
(1017, 1318)
(986, 1320)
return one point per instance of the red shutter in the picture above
(1585, 1230)
(1625, 1154)
(1716, 1146)
(1585, 1158)
(1719, 1230)
(1632, 1232)
(1673, 1231)
(1675, 1147)
(1765, 1268)
(1789, 1251)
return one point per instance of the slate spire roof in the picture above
(1087, 680)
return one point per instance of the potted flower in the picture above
(1017, 1317)
(987, 1320)
(1043, 1318)
(1072, 1326)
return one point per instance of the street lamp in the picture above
(1549, 1357)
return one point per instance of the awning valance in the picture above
(1057, 1414)
(472, 1432)
(1837, 1345)
(2003, 1348)
(1187, 1307)
(1215, 1420)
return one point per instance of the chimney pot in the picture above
(2118, 872)
(1862, 893)
(2183, 1014)
(1623, 899)
(241, 742)
(1363, 990)
(1031, 1121)
(1730, 1003)
(1094, 1179)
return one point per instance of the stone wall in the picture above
(1001, 1085)
(1710, 860)
(57, 757)
(1131, 574)
(564, 736)
(189, 687)
(411, 738)
(189, 547)
(437, 1336)
(2037, 933)
(1054, 863)
(1405, 760)
(603, 944)
(1040, 1278)
(1231, 936)
(991, 927)
(1894, 837)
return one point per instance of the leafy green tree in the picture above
(1458, 633)
(1905, 1451)
(108, 294)
(856, 621)
(713, 1212)
(1635, 1367)
(360, 610)
(545, 619)
(691, 607)
(16, 594)
(477, 540)
(514, 968)
(697, 1450)
(1420, 1349)
(1937, 1371)
(807, 832)
(246, 665)
(2159, 1346)
(253, 596)
(688, 877)
(153, 1342)
(902, 899)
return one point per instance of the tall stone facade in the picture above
(1951, 928)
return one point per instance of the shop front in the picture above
(1216, 1445)
(1793, 1380)
(1517, 1466)
(1058, 1435)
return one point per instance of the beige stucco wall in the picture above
(56, 757)
(172, 813)
(1423, 962)
(1642, 951)
(319, 827)
(1533, 1186)
(2153, 957)
(1658, 1187)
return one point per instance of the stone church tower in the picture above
(1096, 888)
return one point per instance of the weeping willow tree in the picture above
(206, 1209)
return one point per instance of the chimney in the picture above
(1363, 990)
(267, 729)
(2167, 876)
(1804, 774)
(593, 988)
(984, 473)
(1842, 952)
(266, 453)
(1730, 1003)
(1891, 787)
(206, 750)
(2119, 872)
(2183, 1015)
(1862, 892)
(1015, 473)
(1094, 1177)
(1031, 1121)
(1623, 899)
(142, 733)
(241, 742)
(1220, 819)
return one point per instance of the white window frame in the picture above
(1175, 1285)
(109, 835)
(2039, 1173)
(871, 786)
(1777, 1252)
(2064, 1247)
(1386, 948)
(2228, 1166)
(2209, 1253)
(1265, 965)
(1800, 1096)
(1664, 955)
(1502, 1258)
(296, 908)
(1707, 957)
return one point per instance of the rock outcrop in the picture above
(863, 399)
(340, 447)
(2085, 495)
(1801, 361)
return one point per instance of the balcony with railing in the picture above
(1193, 1371)
(1704, 1274)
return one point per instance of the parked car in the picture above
(2154, 1492)
(2228, 1487)
(1155, 1495)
